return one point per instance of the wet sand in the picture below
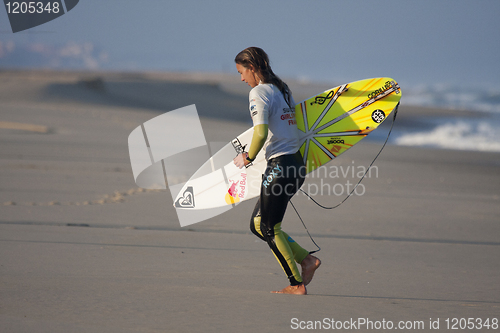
(85, 250)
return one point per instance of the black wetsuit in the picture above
(283, 177)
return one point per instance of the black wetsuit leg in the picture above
(283, 177)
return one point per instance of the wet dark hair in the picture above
(257, 58)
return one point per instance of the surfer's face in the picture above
(248, 75)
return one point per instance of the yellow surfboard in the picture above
(332, 122)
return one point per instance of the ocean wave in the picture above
(479, 135)
(471, 98)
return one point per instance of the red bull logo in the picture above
(232, 190)
(236, 191)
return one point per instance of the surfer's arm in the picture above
(258, 139)
(259, 111)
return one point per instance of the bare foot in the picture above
(309, 265)
(295, 290)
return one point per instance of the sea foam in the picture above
(453, 97)
(459, 134)
(462, 133)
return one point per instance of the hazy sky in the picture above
(415, 42)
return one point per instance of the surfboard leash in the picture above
(307, 230)
(359, 182)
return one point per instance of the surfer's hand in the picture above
(241, 160)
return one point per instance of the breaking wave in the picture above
(473, 98)
(460, 133)
(476, 135)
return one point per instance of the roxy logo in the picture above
(28, 14)
(275, 172)
(187, 199)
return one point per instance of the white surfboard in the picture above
(219, 182)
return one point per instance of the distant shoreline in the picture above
(302, 89)
(223, 96)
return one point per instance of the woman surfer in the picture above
(275, 130)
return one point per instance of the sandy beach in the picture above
(83, 249)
